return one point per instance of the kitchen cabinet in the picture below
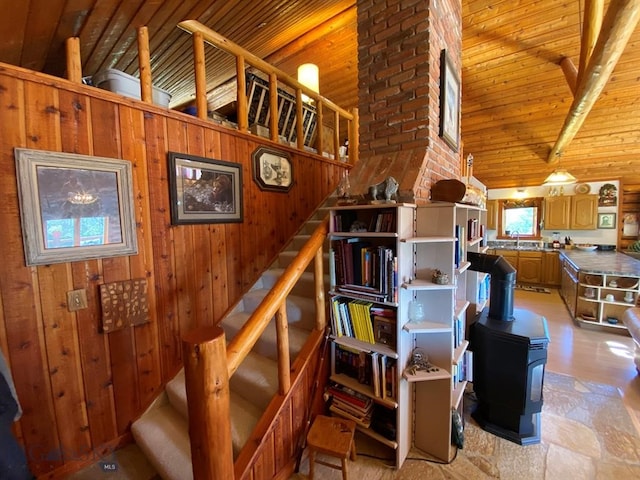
(569, 286)
(492, 214)
(529, 267)
(551, 269)
(584, 212)
(571, 212)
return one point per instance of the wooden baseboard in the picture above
(90, 458)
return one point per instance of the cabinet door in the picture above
(584, 212)
(551, 268)
(492, 214)
(556, 213)
(529, 267)
(510, 256)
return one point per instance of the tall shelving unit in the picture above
(384, 225)
(423, 239)
(444, 233)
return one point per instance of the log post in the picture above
(319, 124)
(144, 64)
(284, 361)
(318, 278)
(354, 141)
(241, 95)
(299, 125)
(336, 135)
(207, 385)
(201, 75)
(273, 106)
(74, 61)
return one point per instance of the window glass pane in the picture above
(521, 220)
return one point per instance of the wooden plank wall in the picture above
(80, 389)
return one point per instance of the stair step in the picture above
(163, 435)
(286, 257)
(304, 287)
(267, 345)
(301, 311)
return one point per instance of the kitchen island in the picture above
(598, 287)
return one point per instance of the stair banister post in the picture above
(284, 360)
(208, 398)
(318, 278)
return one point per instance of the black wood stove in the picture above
(509, 356)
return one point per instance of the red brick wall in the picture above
(399, 45)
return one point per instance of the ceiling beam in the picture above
(591, 25)
(619, 23)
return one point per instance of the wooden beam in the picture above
(570, 73)
(619, 24)
(593, 11)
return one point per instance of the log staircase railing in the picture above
(209, 364)
(201, 33)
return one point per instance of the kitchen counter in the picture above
(602, 262)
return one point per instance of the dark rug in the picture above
(532, 288)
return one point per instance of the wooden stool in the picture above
(332, 436)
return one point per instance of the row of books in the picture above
(367, 271)
(348, 403)
(374, 369)
(458, 331)
(463, 370)
(460, 250)
(352, 318)
(383, 221)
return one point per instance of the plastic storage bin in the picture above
(128, 85)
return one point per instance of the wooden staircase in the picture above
(162, 432)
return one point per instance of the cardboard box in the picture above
(124, 84)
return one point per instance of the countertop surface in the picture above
(603, 262)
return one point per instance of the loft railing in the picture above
(202, 33)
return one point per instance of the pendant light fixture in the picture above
(559, 177)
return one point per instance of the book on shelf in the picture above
(374, 369)
(349, 395)
(362, 269)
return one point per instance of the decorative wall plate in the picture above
(583, 188)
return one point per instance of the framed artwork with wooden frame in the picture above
(449, 102)
(74, 207)
(203, 190)
(606, 220)
(272, 169)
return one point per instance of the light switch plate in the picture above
(77, 300)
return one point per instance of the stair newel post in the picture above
(208, 397)
(282, 331)
(318, 274)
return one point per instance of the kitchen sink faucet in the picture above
(516, 234)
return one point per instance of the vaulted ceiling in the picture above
(515, 96)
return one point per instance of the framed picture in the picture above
(606, 220)
(449, 102)
(203, 190)
(74, 207)
(272, 169)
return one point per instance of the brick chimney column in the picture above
(399, 45)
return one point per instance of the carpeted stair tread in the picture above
(162, 434)
(267, 345)
(256, 379)
(301, 311)
(304, 287)
(240, 405)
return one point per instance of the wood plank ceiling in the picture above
(515, 96)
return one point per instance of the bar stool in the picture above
(331, 436)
